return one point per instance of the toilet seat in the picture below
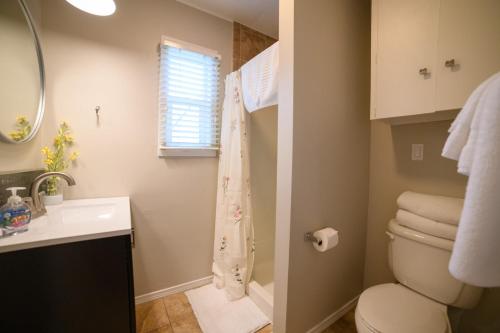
(393, 308)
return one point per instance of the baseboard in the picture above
(173, 290)
(325, 323)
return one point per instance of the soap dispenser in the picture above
(15, 215)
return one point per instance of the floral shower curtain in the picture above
(234, 243)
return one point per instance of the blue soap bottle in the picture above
(15, 215)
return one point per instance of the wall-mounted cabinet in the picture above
(429, 55)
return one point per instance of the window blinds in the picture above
(189, 99)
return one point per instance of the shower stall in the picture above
(263, 149)
(246, 195)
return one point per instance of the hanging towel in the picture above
(434, 207)
(259, 79)
(461, 141)
(425, 225)
(476, 254)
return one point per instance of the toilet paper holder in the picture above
(309, 237)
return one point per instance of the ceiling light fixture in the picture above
(95, 7)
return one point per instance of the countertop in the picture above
(73, 221)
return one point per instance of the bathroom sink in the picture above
(90, 213)
(72, 221)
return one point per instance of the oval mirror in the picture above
(22, 81)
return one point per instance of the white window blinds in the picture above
(189, 99)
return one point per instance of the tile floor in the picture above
(173, 314)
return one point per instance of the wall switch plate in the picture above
(417, 152)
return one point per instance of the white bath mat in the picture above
(216, 314)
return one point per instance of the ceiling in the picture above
(261, 15)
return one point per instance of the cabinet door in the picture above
(469, 34)
(404, 42)
(81, 287)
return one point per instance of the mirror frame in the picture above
(41, 69)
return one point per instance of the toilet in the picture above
(418, 303)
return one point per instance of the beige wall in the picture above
(113, 62)
(331, 43)
(391, 172)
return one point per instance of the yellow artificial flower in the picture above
(57, 141)
(56, 159)
(15, 135)
(21, 119)
(23, 129)
(63, 127)
(74, 155)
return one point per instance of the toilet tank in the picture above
(420, 262)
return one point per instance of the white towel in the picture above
(426, 226)
(476, 254)
(434, 207)
(463, 131)
(259, 79)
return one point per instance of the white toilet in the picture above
(418, 303)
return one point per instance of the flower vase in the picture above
(54, 194)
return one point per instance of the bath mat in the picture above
(216, 314)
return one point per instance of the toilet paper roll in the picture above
(328, 238)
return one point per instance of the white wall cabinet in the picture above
(429, 55)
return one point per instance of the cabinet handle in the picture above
(424, 71)
(450, 63)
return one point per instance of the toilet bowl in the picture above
(418, 303)
(393, 308)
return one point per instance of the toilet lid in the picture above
(393, 308)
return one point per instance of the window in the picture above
(189, 100)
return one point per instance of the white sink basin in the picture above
(88, 213)
(72, 221)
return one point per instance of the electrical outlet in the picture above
(417, 152)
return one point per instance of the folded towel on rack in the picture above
(475, 255)
(259, 79)
(434, 207)
(425, 225)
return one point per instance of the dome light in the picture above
(95, 7)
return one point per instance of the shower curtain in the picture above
(234, 242)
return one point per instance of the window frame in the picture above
(164, 151)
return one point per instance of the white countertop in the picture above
(73, 221)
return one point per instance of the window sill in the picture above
(187, 152)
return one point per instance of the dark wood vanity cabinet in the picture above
(80, 287)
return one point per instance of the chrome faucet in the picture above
(37, 206)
